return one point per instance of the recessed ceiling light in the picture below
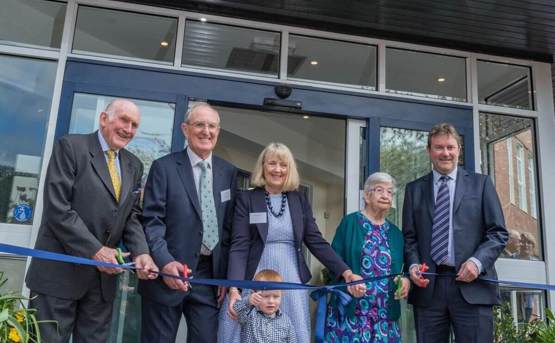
(314, 62)
(164, 44)
(203, 19)
(440, 79)
(306, 117)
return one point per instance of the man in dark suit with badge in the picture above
(453, 222)
(91, 202)
(187, 214)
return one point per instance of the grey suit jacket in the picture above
(81, 215)
(172, 219)
(478, 228)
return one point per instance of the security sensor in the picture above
(282, 91)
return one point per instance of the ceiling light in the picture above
(203, 19)
(314, 62)
(306, 117)
(440, 79)
(164, 44)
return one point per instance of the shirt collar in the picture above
(452, 175)
(195, 159)
(277, 314)
(103, 144)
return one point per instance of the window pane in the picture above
(526, 304)
(127, 34)
(317, 59)
(13, 269)
(508, 156)
(403, 155)
(424, 74)
(505, 85)
(26, 87)
(230, 47)
(34, 22)
(154, 136)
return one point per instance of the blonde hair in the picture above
(268, 275)
(282, 153)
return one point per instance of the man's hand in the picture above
(174, 268)
(417, 278)
(234, 296)
(356, 291)
(106, 254)
(146, 268)
(468, 272)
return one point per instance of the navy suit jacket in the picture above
(172, 219)
(249, 239)
(478, 228)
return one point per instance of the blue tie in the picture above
(209, 219)
(440, 228)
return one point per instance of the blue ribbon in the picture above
(319, 293)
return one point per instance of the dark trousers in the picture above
(200, 308)
(88, 318)
(448, 309)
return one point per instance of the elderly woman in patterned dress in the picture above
(270, 224)
(372, 247)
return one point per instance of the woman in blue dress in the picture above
(372, 247)
(270, 224)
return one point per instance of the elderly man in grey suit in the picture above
(187, 217)
(453, 222)
(91, 202)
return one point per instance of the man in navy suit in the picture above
(453, 222)
(187, 214)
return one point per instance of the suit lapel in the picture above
(218, 184)
(126, 170)
(99, 164)
(259, 206)
(185, 172)
(428, 185)
(460, 188)
(295, 209)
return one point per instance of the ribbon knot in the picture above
(321, 297)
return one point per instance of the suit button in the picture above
(200, 233)
(197, 254)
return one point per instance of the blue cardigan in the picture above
(348, 242)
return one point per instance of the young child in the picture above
(259, 316)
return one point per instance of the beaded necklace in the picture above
(269, 204)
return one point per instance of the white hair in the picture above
(378, 177)
(197, 105)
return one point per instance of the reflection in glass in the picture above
(403, 155)
(317, 59)
(508, 155)
(526, 304)
(154, 136)
(231, 47)
(26, 87)
(505, 85)
(128, 34)
(425, 74)
(33, 22)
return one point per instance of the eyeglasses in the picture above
(383, 191)
(200, 125)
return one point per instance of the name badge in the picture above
(258, 218)
(225, 195)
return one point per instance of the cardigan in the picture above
(348, 242)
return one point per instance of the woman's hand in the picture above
(234, 295)
(356, 291)
(404, 291)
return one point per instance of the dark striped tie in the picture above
(440, 228)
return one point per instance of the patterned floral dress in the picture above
(370, 323)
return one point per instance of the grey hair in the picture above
(110, 109)
(195, 106)
(378, 177)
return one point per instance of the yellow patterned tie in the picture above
(112, 168)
